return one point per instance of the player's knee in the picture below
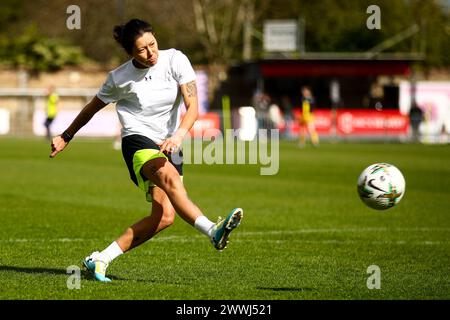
(164, 175)
(168, 216)
(170, 180)
(129, 232)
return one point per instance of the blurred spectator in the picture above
(276, 117)
(335, 94)
(376, 97)
(415, 118)
(261, 102)
(443, 138)
(307, 118)
(286, 106)
(51, 110)
(117, 143)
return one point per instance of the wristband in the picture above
(66, 137)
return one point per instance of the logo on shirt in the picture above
(148, 78)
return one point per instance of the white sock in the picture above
(112, 252)
(204, 225)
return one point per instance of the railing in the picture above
(21, 118)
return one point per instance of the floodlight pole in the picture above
(248, 32)
(301, 35)
(399, 37)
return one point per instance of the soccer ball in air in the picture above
(381, 186)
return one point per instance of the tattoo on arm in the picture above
(191, 89)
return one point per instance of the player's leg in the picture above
(302, 135)
(162, 173)
(47, 124)
(162, 216)
(141, 156)
(313, 134)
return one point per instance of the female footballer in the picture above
(148, 90)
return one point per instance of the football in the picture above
(381, 186)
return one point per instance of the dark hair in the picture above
(127, 33)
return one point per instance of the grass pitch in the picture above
(305, 233)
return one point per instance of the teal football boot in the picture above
(96, 266)
(222, 229)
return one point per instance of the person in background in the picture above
(415, 118)
(261, 102)
(276, 117)
(286, 106)
(51, 110)
(307, 118)
(117, 143)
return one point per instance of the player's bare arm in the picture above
(189, 93)
(61, 141)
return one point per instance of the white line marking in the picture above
(245, 234)
(276, 241)
(343, 230)
(48, 240)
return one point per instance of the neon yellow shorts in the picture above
(137, 150)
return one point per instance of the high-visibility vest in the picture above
(306, 110)
(51, 105)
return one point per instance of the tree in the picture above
(36, 53)
(219, 25)
(212, 31)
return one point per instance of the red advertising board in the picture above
(371, 122)
(356, 122)
(347, 122)
(206, 121)
(322, 120)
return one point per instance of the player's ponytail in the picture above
(126, 34)
(118, 33)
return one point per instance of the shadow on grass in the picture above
(50, 271)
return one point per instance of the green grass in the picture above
(305, 234)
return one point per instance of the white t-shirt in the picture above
(148, 100)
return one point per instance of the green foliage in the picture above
(10, 11)
(37, 53)
(340, 25)
(330, 26)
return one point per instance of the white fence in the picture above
(19, 105)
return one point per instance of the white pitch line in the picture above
(196, 237)
(347, 242)
(301, 241)
(47, 240)
(266, 240)
(343, 230)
